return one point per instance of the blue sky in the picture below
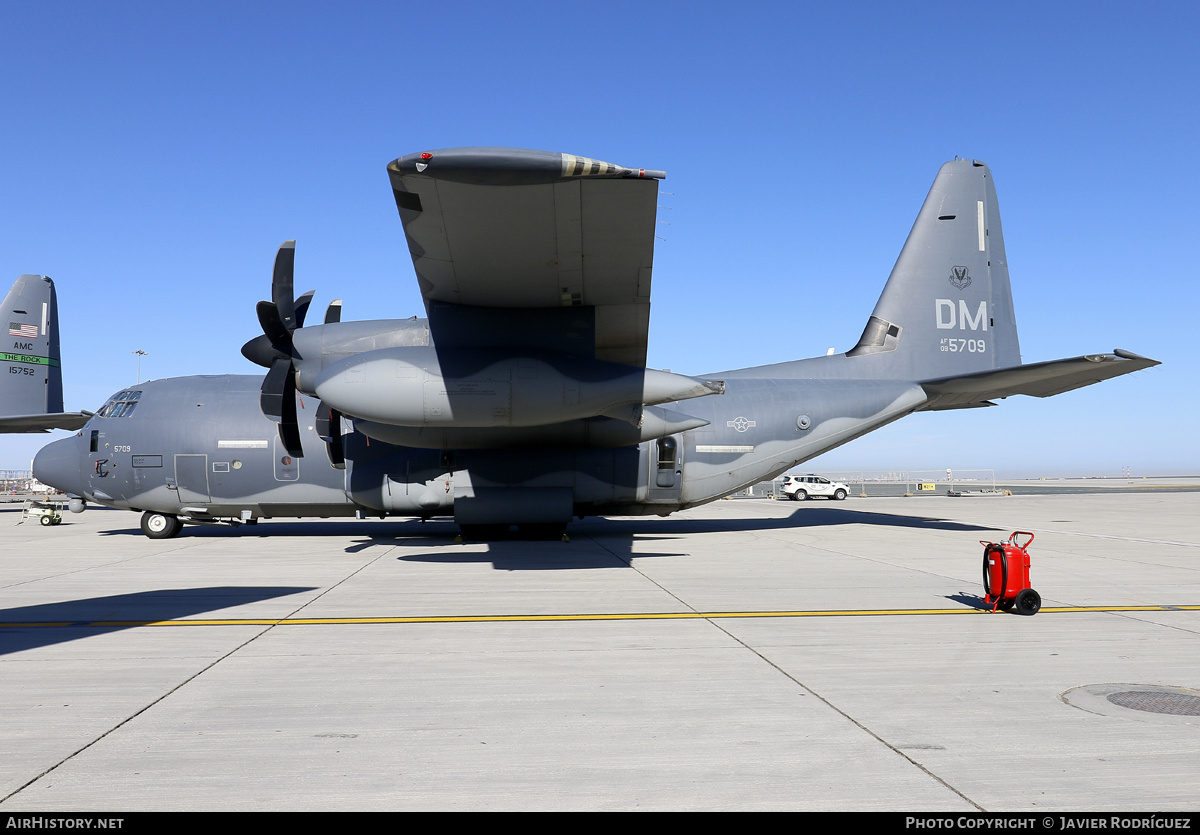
(155, 155)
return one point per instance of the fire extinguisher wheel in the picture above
(1028, 602)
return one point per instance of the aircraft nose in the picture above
(58, 464)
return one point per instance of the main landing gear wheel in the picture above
(160, 525)
(1028, 602)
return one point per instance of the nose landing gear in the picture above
(160, 525)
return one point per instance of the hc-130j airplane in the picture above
(523, 397)
(31, 391)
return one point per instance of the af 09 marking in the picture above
(944, 312)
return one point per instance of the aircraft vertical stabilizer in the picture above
(947, 307)
(31, 394)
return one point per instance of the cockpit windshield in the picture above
(120, 404)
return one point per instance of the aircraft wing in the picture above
(1039, 379)
(43, 422)
(512, 230)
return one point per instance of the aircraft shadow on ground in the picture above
(519, 555)
(620, 536)
(617, 537)
(78, 616)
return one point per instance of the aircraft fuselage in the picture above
(200, 447)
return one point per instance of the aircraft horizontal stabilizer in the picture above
(43, 422)
(1039, 379)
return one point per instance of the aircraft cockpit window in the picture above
(120, 405)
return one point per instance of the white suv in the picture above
(801, 487)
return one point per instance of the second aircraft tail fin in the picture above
(31, 390)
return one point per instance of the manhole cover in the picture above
(1141, 702)
(1176, 704)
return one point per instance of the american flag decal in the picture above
(26, 331)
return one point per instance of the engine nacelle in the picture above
(422, 387)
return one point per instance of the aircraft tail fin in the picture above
(945, 318)
(947, 307)
(31, 391)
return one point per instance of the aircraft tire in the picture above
(840, 495)
(1028, 602)
(160, 525)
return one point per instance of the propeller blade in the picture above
(282, 292)
(279, 318)
(329, 427)
(333, 313)
(271, 395)
(277, 400)
(289, 429)
(302, 304)
(321, 421)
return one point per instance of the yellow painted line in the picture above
(827, 613)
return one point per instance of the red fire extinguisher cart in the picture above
(1006, 576)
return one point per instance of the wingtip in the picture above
(1140, 363)
(1130, 355)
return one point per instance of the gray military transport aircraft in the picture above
(523, 397)
(31, 391)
